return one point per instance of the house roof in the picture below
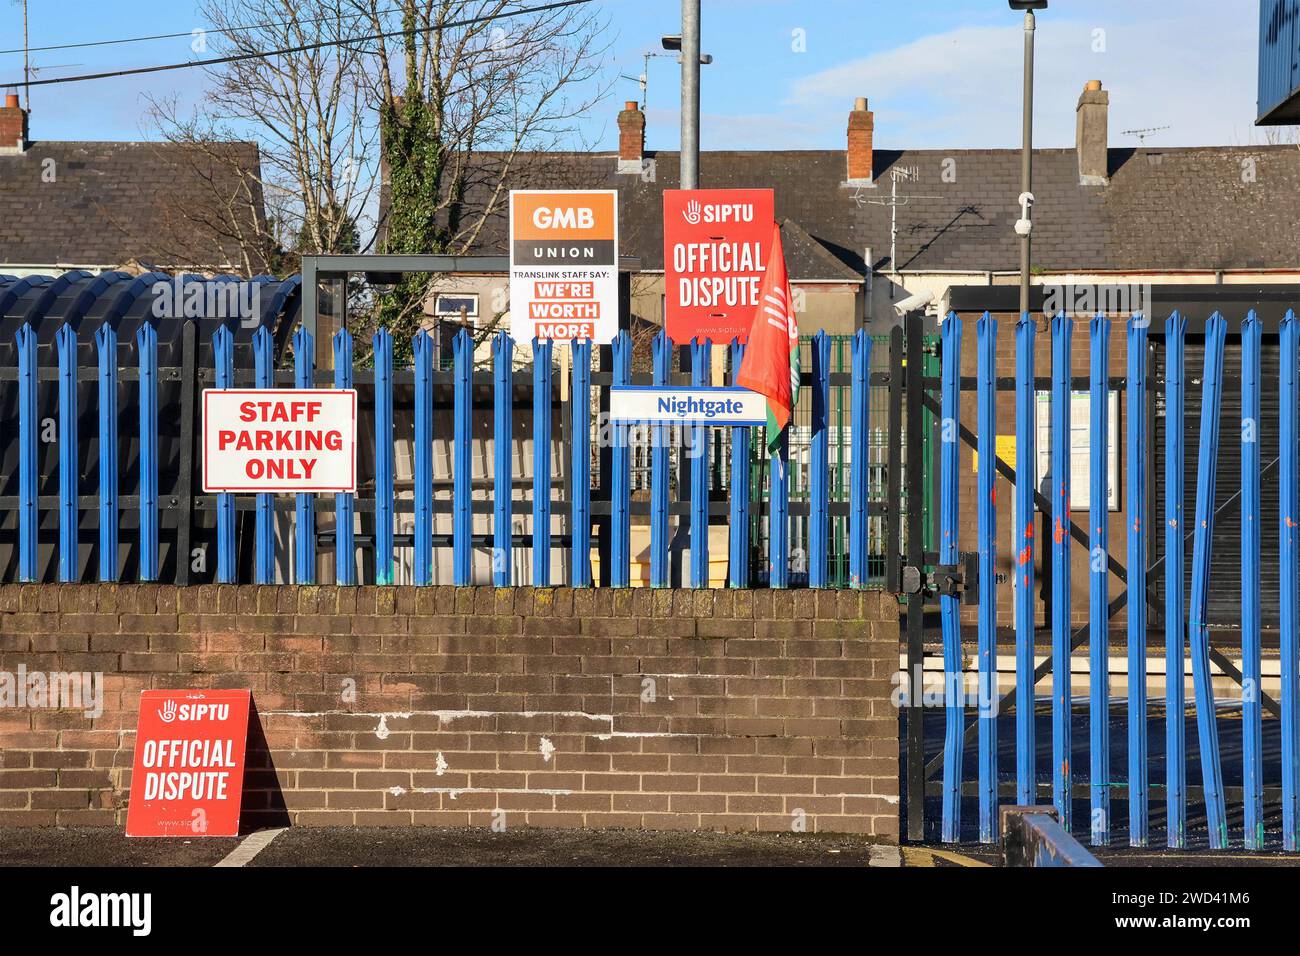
(1193, 208)
(163, 205)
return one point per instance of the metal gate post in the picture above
(1289, 566)
(1062, 772)
(986, 330)
(906, 369)
(1098, 592)
(1175, 628)
(950, 620)
(1026, 469)
(1137, 579)
(1251, 727)
(1197, 631)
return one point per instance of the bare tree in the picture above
(467, 93)
(308, 114)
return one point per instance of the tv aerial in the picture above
(1142, 134)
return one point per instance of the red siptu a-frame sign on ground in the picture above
(188, 774)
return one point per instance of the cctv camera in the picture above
(914, 303)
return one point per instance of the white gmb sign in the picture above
(279, 440)
(632, 404)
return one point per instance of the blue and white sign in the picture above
(632, 404)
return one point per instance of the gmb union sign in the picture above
(632, 404)
(279, 440)
(564, 265)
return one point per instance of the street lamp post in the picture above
(1025, 225)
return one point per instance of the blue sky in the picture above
(938, 73)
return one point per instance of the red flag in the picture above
(771, 363)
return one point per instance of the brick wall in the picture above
(735, 710)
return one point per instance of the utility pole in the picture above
(690, 160)
(1025, 225)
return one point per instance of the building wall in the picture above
(725, 710)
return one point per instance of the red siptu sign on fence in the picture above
(277, 440)
(188, 774)
(716, 246)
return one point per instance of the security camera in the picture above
(914, 303)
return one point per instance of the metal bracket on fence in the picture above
(1031, 836)
(958, 580)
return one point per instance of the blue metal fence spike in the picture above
(1023, 550)
(462, 506)
(1289, 568)
(986, 333)
(146, 343)
(1099, 580)
(345, 563)
(1136, 525)
(1062, 770)
(701, 357)
(69, 472)
(304, 376)
(1251, 724)
(950, 620)
(1175, 609)
(28, 501)
(662, 349)
(819, 479)
(620, 552)
(542, 462)
(1202, 545)
(738, 560)
(223, 350)
(106, 344)
(422, 361)
(383, 353)
(264, 513)
(503, 348)
(859, 463)
(580, 506)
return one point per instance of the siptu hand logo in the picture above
(692, 212)
(168, 711)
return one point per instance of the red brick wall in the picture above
(735, 710)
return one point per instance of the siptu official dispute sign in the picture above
(564, 265)
(716, 247)
(279, 440)
(187, 778)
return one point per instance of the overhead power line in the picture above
(265, 54)
(244, 28)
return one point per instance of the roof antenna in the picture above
(1142, 134)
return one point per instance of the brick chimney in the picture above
(862, 125)
(1092, 138)
(631, 138)
(13, 126)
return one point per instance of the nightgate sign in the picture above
(691, 406)
(279, 440)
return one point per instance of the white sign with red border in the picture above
(279, 440)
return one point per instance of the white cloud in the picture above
(1192, 70)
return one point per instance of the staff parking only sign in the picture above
(564, 265)
(279, 440)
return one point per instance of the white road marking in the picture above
(252, 845)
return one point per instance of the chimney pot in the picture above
(631, 138)
(1092, 136)
(861, 140)
(11, 101)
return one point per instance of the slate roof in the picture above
(1192, 208)
(111, 203)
